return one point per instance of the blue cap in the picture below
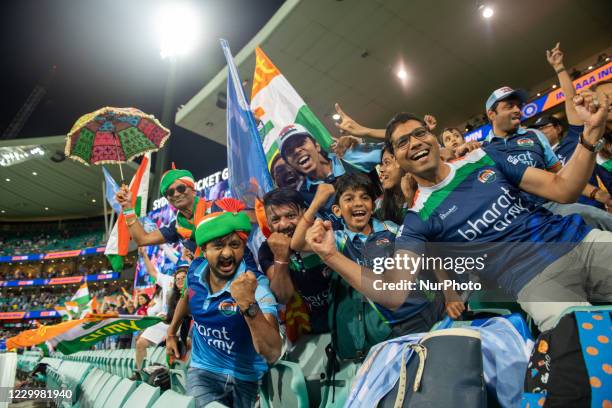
(289, 132)
(181, 264)
(505, 92)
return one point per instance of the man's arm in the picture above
(374, 286)
(555, 59)
(151, 269)
(298, 241)
(277, 271)
(349, 126)
(137, 232)
(280, 282)
(567, 185)
(181, 311)
(263, 326)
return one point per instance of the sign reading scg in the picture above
(200, 185)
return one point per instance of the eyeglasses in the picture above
(404, 141)
(180, 189)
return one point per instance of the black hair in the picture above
(396, 120)
(175, 296)
(301, 137)
(146, 297)
(393, 199)
(354, 181)
(449, 129)
(284, 196)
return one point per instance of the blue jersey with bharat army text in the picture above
(479, 207)
(528, 147)
(222, 341)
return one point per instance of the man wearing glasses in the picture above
(544, 261)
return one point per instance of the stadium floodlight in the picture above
(178, 29)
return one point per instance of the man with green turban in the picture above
(178, 186)
(235, 328)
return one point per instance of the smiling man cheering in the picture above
(545, 261)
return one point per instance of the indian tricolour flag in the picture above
(63, 312)
(76, 335)
(276, 104)
(81, 297)
(119, 240)
(72, 308)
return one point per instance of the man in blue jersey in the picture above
(530, 147)
(478, 200)
(235, 328)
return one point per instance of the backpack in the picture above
(571, 364)
(355, 323)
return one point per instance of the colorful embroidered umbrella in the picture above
(114, 135)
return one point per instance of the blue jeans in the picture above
(206, 387)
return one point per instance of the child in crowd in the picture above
(364, 238)
(451, 138)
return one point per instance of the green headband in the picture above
(221, 224)
(171, 176)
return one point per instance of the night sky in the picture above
(106, 53)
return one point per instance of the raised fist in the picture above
(243, 288)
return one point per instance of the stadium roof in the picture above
(67, 188)
(349, 51)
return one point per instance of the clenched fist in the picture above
(243, 288)
(280, 246)
(124, 197)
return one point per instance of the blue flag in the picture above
(111, 190)
(248, 171)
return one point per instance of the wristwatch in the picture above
(595, 148)
(251, 311)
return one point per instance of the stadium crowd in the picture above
(330, 220)
(32, 298)
(328, 223)
(20, 239)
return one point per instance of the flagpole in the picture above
(106, 234)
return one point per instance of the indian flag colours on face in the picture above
(76, 335)
(118, 242)
(276, 104)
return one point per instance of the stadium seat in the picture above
(143, 397)
(174, 400)
(334, 394)
(308, 353)
(120, 394)
(284, 385)
(106, 391)
(91, 386)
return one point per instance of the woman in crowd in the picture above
(398, 189)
